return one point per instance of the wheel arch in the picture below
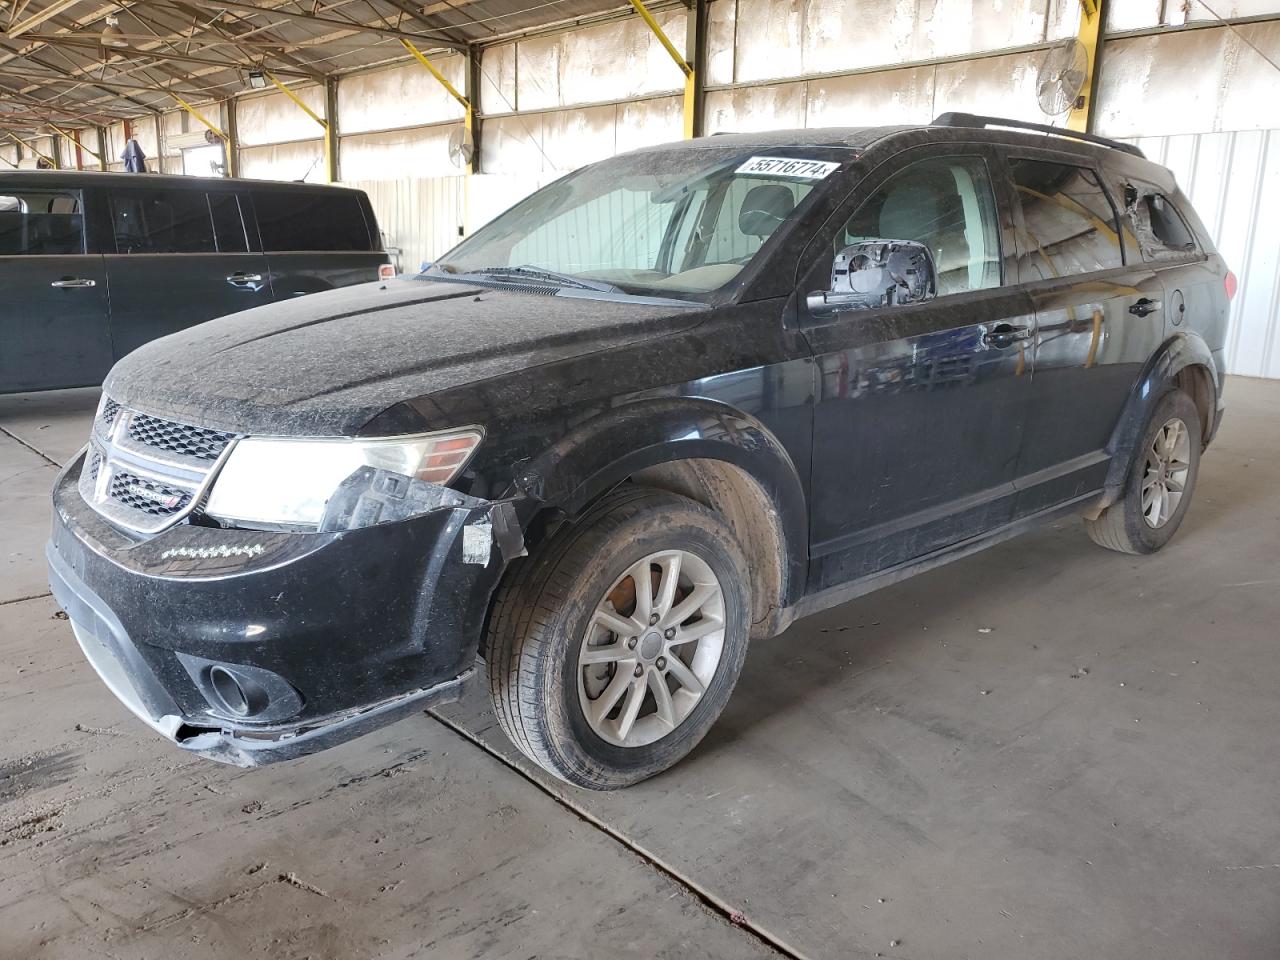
(702, 449)
(1184, 362)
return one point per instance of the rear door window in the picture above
(162, 221)
(41, 223)
(306, 221)
(1069, 223)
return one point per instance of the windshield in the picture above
(672, 223)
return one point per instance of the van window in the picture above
(947, 205)
(1069, 223)
(296, 220)
(162, 221)
(39, 223)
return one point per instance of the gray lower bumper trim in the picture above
(243, 748)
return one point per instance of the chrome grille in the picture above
(198, 442)
(144, 473)
(149, 496)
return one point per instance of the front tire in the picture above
(1161, 480)
(613, 650)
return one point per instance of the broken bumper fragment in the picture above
(250, 647)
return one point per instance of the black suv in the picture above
(665, 405)
(93, 265)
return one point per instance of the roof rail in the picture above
(973, 120)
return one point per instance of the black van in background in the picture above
(93, 265)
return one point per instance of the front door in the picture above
(182, 256)
(919, 418)
(53, 296)
(1099, 318)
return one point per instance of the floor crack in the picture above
(38, 452)
(708, 898)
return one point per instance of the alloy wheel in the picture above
(651, 649)
(1164, 477)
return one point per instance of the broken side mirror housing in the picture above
(877, 273)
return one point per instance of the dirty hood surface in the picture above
(328, 363)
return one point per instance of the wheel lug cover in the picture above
(653, 618)
(639, 670)
(670, 633)
(631, 644)
(662, 663)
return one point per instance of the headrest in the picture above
(765, 207)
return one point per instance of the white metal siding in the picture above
(1233, 180)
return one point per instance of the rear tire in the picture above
(593, 679)
(1160, 482)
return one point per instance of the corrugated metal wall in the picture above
(1233, 180)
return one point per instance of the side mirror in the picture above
(878, 273)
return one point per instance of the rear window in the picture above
(162, 221)
(305, 221)
(1069, 224)
(41, 223)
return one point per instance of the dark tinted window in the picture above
(297, 220)
(228, 226)
(1069, 222)
(948, 206)
(40, 223)
(162, 221)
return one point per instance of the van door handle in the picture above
(244, 279)
(1144, 307)
(73, 283)
(1006, 335)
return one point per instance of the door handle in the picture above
(73, 283)
(244, 279)
(1144, 307)
(1006, 335)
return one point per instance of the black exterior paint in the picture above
(53, 338)
(887, 440)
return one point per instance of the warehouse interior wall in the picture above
(1194, 93)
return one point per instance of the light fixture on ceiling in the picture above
(257, 80)
(112, 35)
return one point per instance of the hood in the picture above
(326, 364)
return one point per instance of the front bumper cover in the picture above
(354, 628)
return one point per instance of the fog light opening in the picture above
(228, 690)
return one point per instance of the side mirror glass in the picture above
(878, 273)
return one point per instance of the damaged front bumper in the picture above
(250, 647)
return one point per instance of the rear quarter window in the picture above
(1158, 226)
(305, 221)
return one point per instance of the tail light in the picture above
(387, 271)
(1231, 284)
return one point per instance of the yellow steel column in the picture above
(690, 76)
(1092, 15)
(330, 173)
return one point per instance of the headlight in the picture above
(287, 482)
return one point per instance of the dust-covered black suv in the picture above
(668, 404)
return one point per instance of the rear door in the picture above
(53, 295)
(919, 419)
(316, 239)
(182, 256)
(1099, 317)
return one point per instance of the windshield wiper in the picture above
(538, 274)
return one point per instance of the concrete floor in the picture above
(1044, 751)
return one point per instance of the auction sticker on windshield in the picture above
(789, 167)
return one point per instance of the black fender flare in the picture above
(1183, 349)
(600, 453)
